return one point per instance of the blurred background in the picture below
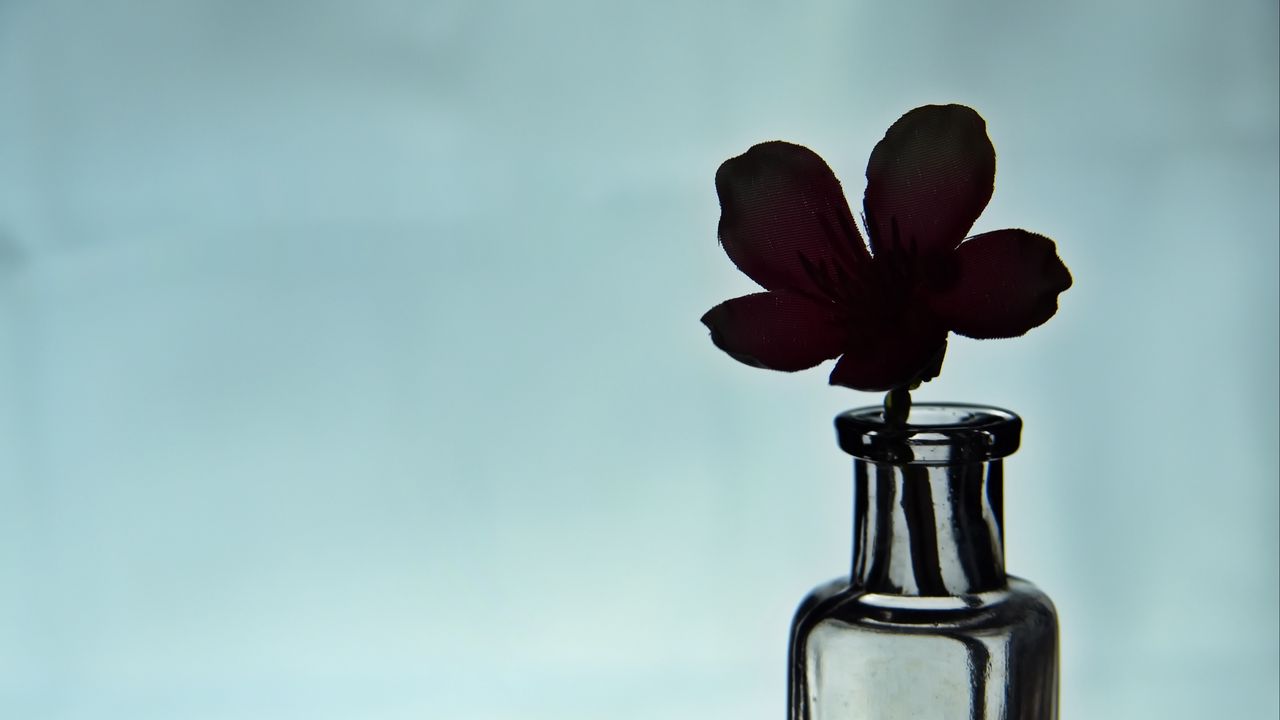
(350, 363)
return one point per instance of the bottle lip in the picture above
(935, 434)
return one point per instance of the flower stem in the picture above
(897, 406)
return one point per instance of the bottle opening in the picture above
(935, 434)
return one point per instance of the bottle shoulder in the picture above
(1019, 603)
(989, 655)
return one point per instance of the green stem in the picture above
(897, 406)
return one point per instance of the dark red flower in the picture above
(884, 310)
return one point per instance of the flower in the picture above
(884, 308)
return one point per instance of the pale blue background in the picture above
(350, 365)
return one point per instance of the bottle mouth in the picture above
(935, 434)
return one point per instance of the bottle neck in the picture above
(928, 530)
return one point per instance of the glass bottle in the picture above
(927, 626)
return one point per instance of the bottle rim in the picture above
(934, 434)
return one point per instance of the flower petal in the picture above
(783, 218)
(929, 179)
(891, 355)
(1006, 282)
(777, 330)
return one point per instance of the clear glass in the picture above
(927, 626)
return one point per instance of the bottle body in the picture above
(927, 626)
